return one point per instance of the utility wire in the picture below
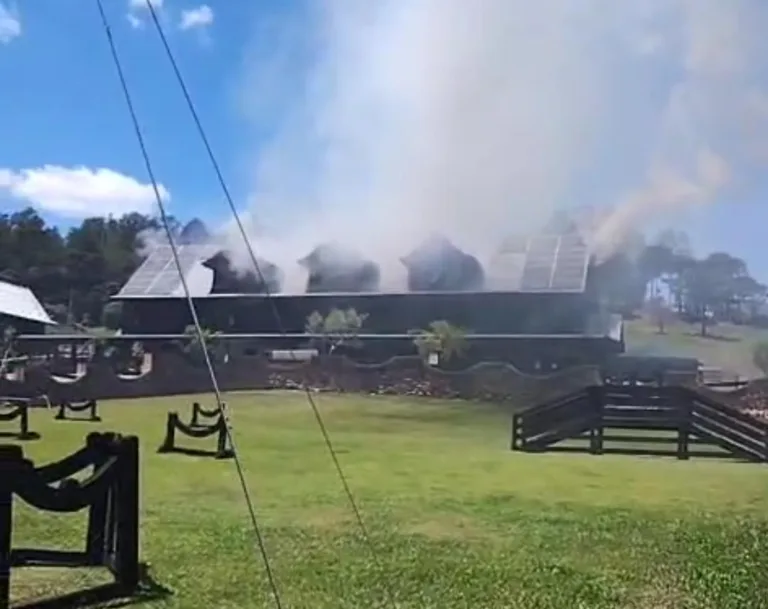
(192, 310)
(260, 275)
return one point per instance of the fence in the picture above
(111, 496)
(640, 420)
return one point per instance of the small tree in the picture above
(100, 345)
(192, 345)
(760, 357)
(341, 327)
(9, 343)
(111, 315)
(441, 338)
(9, 336)
(315, 323)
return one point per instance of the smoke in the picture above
(714, 123)
(431, 116)
(381, 123)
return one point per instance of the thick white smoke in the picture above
(387, 121)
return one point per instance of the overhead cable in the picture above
(200, 334)
(262, 279)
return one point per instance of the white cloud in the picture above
(196, 18)
(79, 191)
(134, 21)
(137, 11)
(140, 5)
(10, 24)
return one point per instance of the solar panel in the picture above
(505, 272)
(539, 263)
(571, 264)
(515, 244)
(169, 280)
(159, 274)
(142, 279)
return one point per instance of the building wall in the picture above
(481, 313)
(21, 326)
(484, 313)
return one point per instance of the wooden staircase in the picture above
(641, 420)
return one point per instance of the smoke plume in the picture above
(714, 121)
(381, 123)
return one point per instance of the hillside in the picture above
(728, 347)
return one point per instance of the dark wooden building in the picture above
(533, 306)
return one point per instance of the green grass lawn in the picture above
(457, 520)
(728, 346)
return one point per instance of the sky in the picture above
(379, 122)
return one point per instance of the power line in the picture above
(193, 312)
(257, 267)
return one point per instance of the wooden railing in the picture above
(641, 420)
(110, 495)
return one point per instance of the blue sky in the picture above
(64, 106)
(297, 99)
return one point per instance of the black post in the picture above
(24, 433)
(513, 445)
(127, 506)
(96, 541)
(93, 406)
(596, 397)
(765, 445)
(684, 405)
(195, 414)
(10, 458)
(223, 449)
(170, 434)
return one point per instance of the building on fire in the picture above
(534, 305)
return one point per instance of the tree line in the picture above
(664, 278)
(74, 272)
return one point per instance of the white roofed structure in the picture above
(18, 301)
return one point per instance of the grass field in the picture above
(456, 519)
(728, 346)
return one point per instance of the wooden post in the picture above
(765, 445)
(195, 414)
(596, 404)
(96, 537)
(684, 404)
(170, 434)
(24, 433)
(93, 406)
(127, 508)
(223, 448)
(10, 458)
(514, 441)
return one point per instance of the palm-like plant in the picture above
(194, 343)
(440, 338)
